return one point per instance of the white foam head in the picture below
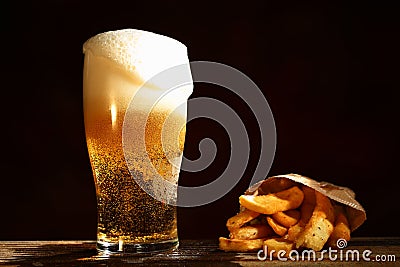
(139, 52)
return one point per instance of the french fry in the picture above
(278, 229)
(240, 219)
(272, 203)
(341, 229)
(275, 186)
(287, 218)
(280, 215)
(320, 225)
(306, 211)
(255, 231)
(278, 244)
(238, 245)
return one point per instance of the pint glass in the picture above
(135, 131)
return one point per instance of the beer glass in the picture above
(135, 130)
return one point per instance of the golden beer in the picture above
(117, 98)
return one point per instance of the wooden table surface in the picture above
(190, 253)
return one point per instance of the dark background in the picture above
(328, 70)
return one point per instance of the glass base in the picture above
(124, 247)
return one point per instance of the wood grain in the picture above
(190, 252)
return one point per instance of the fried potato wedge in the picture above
(238, 245)
(341, 229)
(276, 185)
(272, 203)
(278, 229)
(255, 231)
(320, 225)
(278, 244)
(240, 219)
(287, 218)
(306, 211)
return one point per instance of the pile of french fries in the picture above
(286, 215)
